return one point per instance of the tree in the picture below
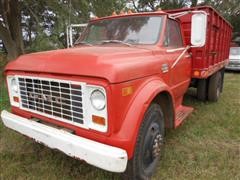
(153, 5)
(33, 25)
(46, 21)
(41, 25)
(10, 27)
(230, 9)
(107, 7)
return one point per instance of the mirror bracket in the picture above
(184, 50)
(180, 14)
(69, 32)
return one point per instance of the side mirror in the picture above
(198, 29)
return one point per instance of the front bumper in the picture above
(97, 154)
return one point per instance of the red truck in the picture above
(109, 99)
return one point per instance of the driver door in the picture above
(180, 73)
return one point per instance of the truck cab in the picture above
(109, 99)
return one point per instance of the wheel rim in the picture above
(218, 87)
(152, 144)
(218, 92)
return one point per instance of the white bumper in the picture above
(101, 155)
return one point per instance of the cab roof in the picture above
(159, 12)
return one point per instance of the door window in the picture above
(173, 37)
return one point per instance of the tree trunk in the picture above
(10, 28)
(8, 43)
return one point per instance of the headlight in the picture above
(14, 86)
(98, 100)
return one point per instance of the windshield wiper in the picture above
(83, 43)
(115, 41)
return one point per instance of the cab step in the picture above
(181, 113)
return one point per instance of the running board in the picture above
(181, 113)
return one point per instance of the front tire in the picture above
(149, 145)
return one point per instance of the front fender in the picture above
(134, 116)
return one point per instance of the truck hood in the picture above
(116, 64)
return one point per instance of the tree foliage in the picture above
(35, 25)
(46, 21)
(41, 25)
(107, 7)
(153, 5)
(230, 9)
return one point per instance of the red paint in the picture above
(117, 67)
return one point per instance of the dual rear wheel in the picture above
(211, 88)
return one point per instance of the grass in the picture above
(206, 146)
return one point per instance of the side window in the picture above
(173, 37)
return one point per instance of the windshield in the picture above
(131, 30)
(235, 51)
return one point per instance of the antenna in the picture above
(70, 11)
(69, 23)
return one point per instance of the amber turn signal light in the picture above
(98, 120)
(127, 91)
(196, 73)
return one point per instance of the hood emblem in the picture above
(44, 97)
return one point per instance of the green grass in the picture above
(206, 146)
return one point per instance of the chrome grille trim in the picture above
(61, 100)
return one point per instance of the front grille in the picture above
(57, 99)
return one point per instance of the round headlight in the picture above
(98, 100)
(14, 85)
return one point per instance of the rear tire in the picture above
(215, 86)
(202, 89)
(149, 145)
